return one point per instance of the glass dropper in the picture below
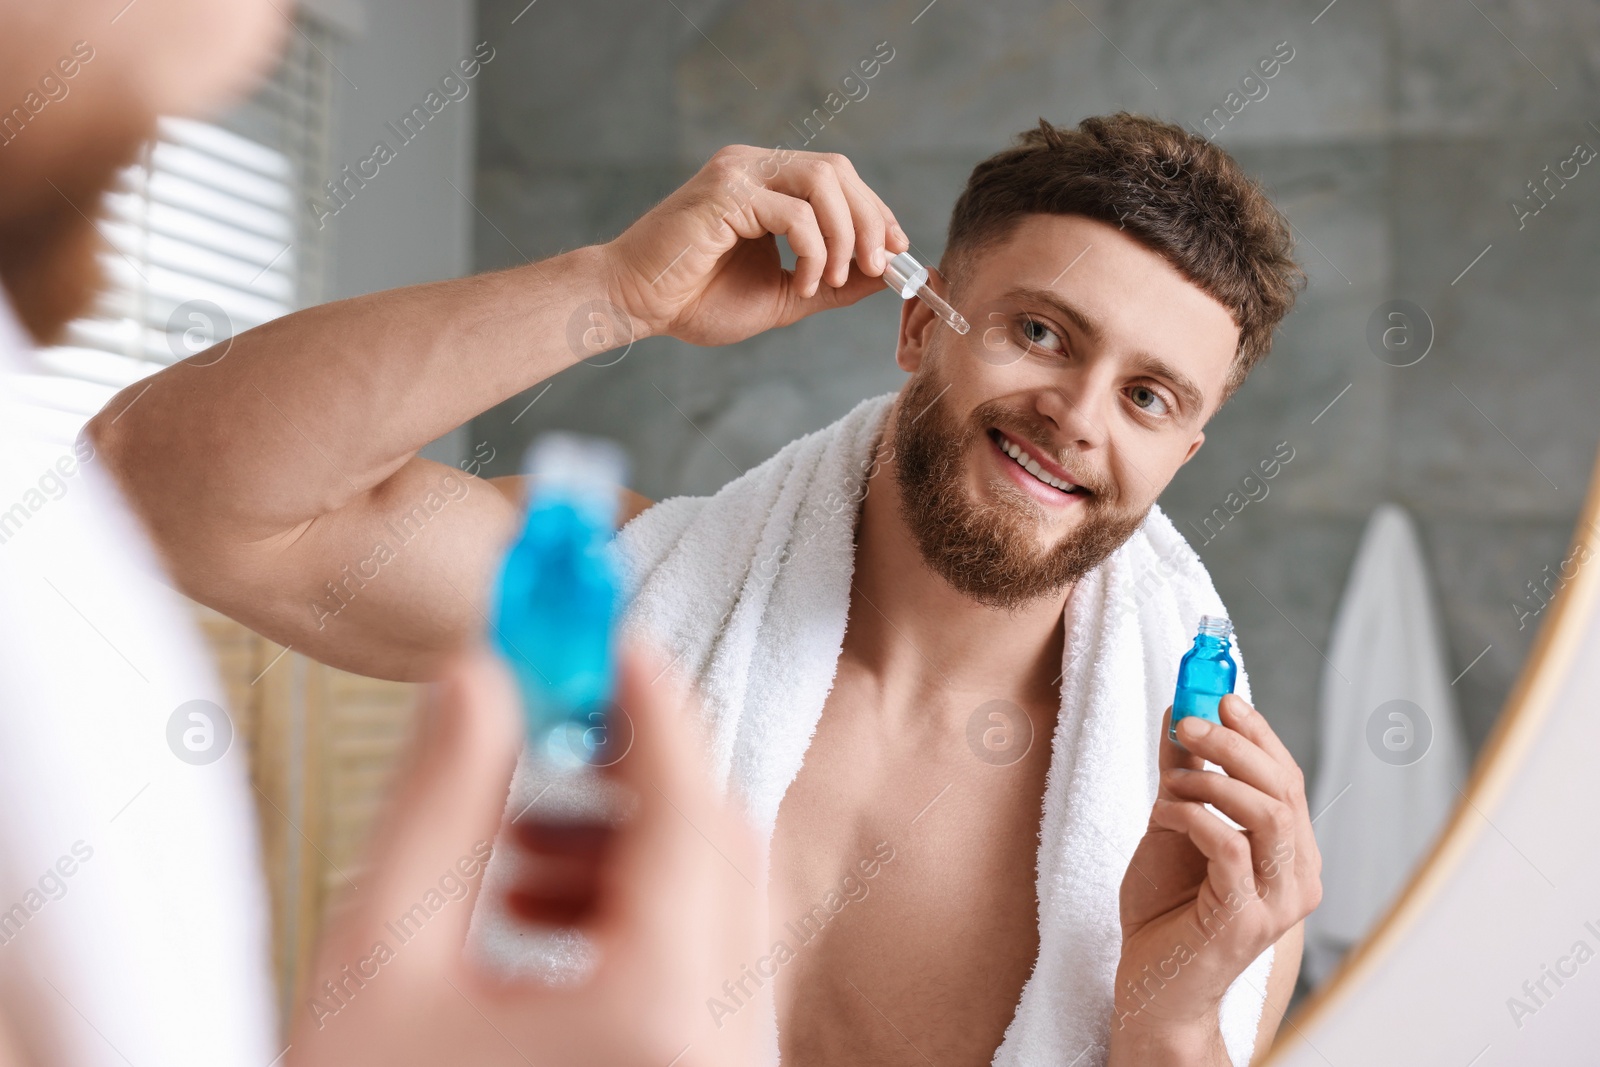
(909, 278)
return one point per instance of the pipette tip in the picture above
(949, 315)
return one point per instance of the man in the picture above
(1122, 279)
(133, 914)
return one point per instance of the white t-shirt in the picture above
(133, 916)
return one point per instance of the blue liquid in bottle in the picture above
(556, 602)
(1205, 675)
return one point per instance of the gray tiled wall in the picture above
(1394, 139)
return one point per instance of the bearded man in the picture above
(1094, 890)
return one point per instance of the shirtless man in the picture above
(265, 473)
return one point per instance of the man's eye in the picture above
(1038, 334)
(1149, 400)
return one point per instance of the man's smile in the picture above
(1035, 474)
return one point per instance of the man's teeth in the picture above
(1031, 465)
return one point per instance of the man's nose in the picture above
(1079, 407)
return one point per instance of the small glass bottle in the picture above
(1205, 675)
(557, 598)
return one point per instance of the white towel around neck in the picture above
(748, 591)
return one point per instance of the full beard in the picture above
(988, 551)
(50, 268)
(49, 247)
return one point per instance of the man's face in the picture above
(1088, 353)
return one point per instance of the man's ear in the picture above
(917, 323)
(1194, 446)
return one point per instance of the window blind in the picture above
(206, 236)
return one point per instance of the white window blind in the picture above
(207, 235)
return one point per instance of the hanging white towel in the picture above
(1392, 749)
(748, 592)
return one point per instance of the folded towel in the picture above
(748, 591)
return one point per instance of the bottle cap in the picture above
(905, 275)
(578, 466)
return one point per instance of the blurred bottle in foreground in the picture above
(557, 600)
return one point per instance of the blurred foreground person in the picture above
(133, 916)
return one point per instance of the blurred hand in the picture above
(1195, 881)
(703, 265)
(670, 915)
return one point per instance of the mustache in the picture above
(1024, 430)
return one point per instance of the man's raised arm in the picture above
(279, 472)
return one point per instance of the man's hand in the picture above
(703, 265)
(1201, 900)
(664, 899)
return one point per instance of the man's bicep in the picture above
(387, 584)
(392, 581)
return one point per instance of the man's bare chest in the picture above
(904, 866)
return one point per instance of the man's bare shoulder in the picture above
(514, 488)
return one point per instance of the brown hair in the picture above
(1173, 191)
